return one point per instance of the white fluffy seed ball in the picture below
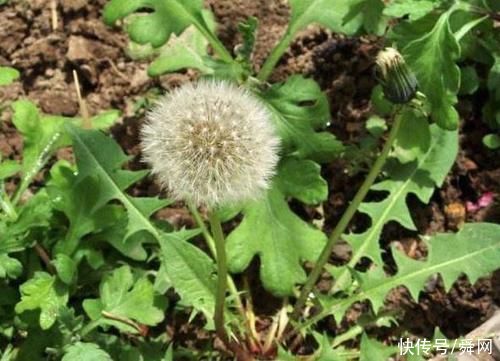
(212, 143)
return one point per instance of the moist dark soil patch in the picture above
(344, 69)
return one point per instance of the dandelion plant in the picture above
(93, 267)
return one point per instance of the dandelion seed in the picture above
(212, 143)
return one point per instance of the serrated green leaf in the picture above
(248, 31)
(40, 138)
(190, 270)
(124, 298)
(14, 236)
(299, 108)
(284, 240)
(419, 178)
(8, 75)
(43, 292)
(115, 220)
(43, 135)
(65, 267)
(73, 199)
(105, 119)
(415, 9)
(474, 251)
(101, 158)
(371, 349)
(326, 351)
(10, 267)
(432, 57)
(328, 13)
(168, 17)
(369, 14)
(413, 138)
(301, 179)
(84, 351)
(188, 50)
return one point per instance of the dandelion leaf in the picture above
(371, 349)
(419, 177)
(190, 270)
(281, 239)
(300, 112)
(473, 251)
(431, 50)
(99, 157)
(167, 17)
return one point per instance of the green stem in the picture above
(211, 245)
(219, 49)
(346, 218)
(220, 299)
(275, 55)
(352, 333)
(232, 287)
(89, 328)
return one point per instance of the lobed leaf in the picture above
(9, 267)
(84, 351)
(328, 13)
(14, 235)
(415, 9)
(369, 14)
(284, 240)
(43, 292)
(300, 108)
(167, 17)
(124, 298)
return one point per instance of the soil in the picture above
(344, 69)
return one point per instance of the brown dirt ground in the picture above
(342, 66)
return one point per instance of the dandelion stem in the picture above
(346, 217)
(275, 56)
(211, 245)
(217, 46)
(220, 299)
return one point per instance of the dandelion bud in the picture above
(398, 81)
(211, 143)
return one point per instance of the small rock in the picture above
(83, 49)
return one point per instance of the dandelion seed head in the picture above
(212, 143)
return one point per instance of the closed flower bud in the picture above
(398, 81)
(211, 143)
